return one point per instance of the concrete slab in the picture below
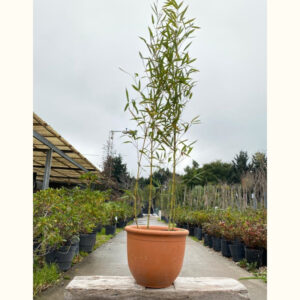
(199, 261)
(124, 287)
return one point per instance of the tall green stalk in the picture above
(151, 184)
(136, 186)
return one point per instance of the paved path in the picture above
(199, 261)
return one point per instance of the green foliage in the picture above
(89, 178)
(119, 169)
(249, 225)
(116, 173)
(101, 238)
(44, 276)
(164, 90)
(61, 214)
(240, 166)
(260, 273)
(254, 234)
(212, 173)
(259, 162)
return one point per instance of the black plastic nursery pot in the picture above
(254, 256)
(191, 230)
(225, 247)
(241, 244)
(185, 226)
(237, 251)
(208, 240)
(110, 229)
(198, 233)
(264, 257)
(205, 239)
(76, 247)
(87, 242)
(64, 256)
(121, 224)
(216, 243)
(50, 256)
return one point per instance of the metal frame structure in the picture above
(50, 159)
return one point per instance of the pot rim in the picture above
(156, 230)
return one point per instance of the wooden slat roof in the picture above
(62, 170)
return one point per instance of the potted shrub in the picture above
(216, 236)
(111, 218)
(207, 234)
(227, 232)
(54, 226)
(87, 215)
(155, 253)
(237, 247)
(254, 236)
(200, 218)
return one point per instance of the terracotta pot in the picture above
(155, 255)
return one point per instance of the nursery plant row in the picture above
(237, 234)
(67, 221)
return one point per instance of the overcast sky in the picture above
(79, 90)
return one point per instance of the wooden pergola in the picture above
(54, 159)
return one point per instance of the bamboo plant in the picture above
(164, 89)
(177, 84)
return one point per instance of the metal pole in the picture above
(55, 149)
(47, 169)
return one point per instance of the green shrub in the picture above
(60, 214)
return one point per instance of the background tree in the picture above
(240, 166)
(212, 173)
(192, 176)
(259, 162)
(119, 177)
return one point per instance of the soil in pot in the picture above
(216, 243)
(155, 255)
(64, 256)
(236, 251)
(254, 256)
(225, 248)
(87, 242)
(110, 229)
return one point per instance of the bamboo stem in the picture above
(171, 219)
(150, 186)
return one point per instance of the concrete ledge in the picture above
(124, 287)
